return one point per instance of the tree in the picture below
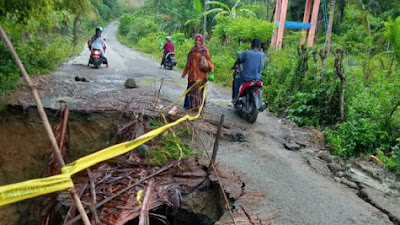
(225, 10)
(327, 47)
(339, 73)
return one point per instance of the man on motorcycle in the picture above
(168, 47)
(96, 42)
(248, 66)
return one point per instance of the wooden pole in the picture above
(47, 126)
(144, 212)
(314, 18)
(216, 143)
(282, 20)
(306, 19)
(276, 19)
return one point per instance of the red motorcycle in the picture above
(248, 103)
(95, 58)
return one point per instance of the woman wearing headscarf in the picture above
(197, 72)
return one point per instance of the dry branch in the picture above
(126, 189)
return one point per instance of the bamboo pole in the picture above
(47, 126)
(144, 212)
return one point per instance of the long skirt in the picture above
(194, 98)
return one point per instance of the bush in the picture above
(243, 29)
(356, 138)
(152, 44)
(137, 27)
(391, 159)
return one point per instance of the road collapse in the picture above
(135, 189)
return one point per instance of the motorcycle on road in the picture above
(248, 103)
(96, 58)
(169, 61)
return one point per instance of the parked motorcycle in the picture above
(249, 103)
(169, 61)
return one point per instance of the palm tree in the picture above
(224, 10)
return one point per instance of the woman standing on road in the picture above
(197, 66)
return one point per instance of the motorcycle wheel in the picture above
(252, 116)
(97, 63)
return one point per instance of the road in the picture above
(295, 192)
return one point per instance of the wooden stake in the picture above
(144, 212)
(47, 126)
(216, 143)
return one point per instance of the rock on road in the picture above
(295, 192)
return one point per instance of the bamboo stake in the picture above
(47, 126)
(64, 129)
(144, 212)
(216, 143)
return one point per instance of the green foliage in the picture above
(224, 9)
(136, 27)
(355, 138)
(171, 147)
(243, 29)
(391, 159)
(392, 33)
(152, 44)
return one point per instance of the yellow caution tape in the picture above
(32, 188)
(139, 197)
(187, 91)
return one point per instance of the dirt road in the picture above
(295, 192)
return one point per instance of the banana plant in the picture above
(224, 10)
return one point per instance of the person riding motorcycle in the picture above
(168, 47)
(248, 67)
(96, 42)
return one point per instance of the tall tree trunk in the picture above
(328, 34)
(205, 20)
(339, 73)
(76, 28)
